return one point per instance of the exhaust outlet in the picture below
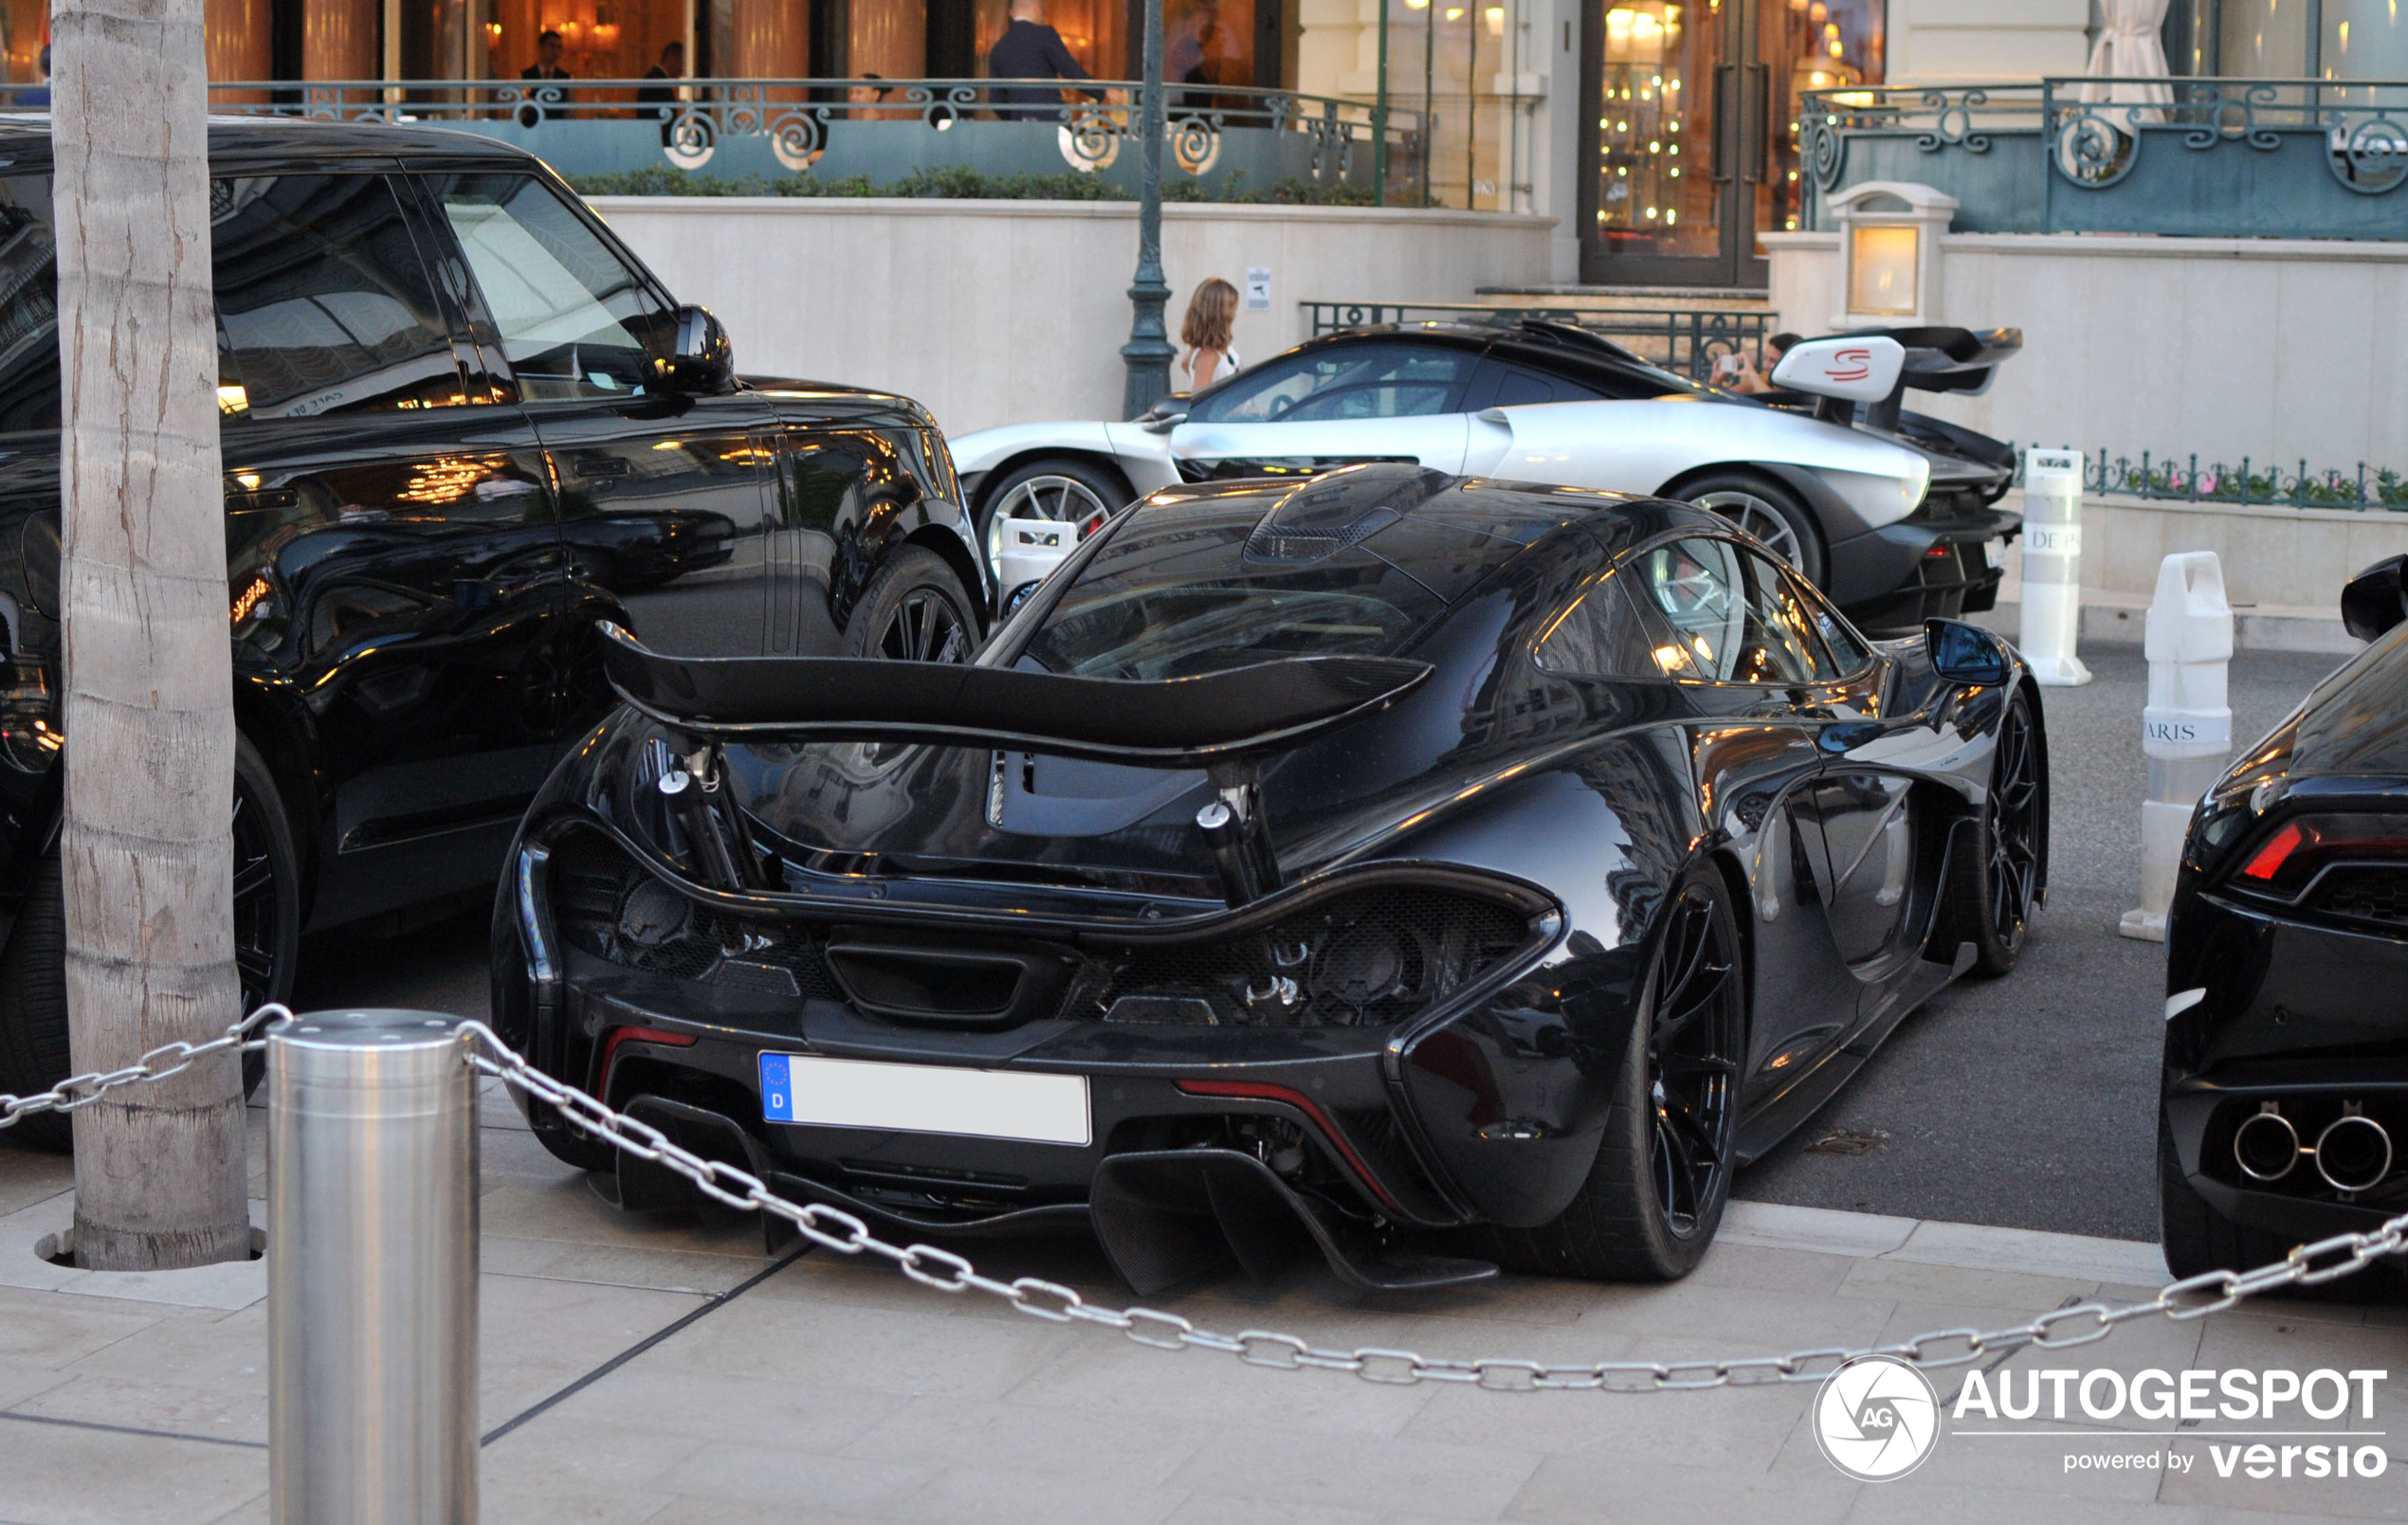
(2353, 1152)
(2266, 1145)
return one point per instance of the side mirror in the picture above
(2375, 599)
(701, 363)
(1165, 416)
(1861, 369)
(1966, 653)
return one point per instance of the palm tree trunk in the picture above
(160, 1169)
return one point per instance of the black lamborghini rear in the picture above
(2286, 1088)
(1308, 864)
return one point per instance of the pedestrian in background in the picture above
(1030, 49)
(547, 67)
(1210, 313)
(659, 101)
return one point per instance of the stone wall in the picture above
(2283, 567)
(2274, 349)
(1004, 312)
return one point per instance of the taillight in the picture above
(2295, 852)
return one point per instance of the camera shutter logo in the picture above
(1877, 1418)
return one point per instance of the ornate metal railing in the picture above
(2267, 485)
(1689, 340)
(1226, 137)
(2295, 158)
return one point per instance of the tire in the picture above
(913, 610)
(1767, 510)
(34, 1053)
(1655, 1195)
(1063, 488)
(2005, 883)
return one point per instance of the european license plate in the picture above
(926, 1098)
(1995, 552)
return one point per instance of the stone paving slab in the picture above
(826, 1390)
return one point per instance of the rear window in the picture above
(1174, 594)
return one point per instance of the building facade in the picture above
(1662, 135)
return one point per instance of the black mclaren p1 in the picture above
(2286, 1081)
(1429, 872)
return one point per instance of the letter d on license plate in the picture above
(926, 1098)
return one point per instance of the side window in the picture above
(1347, 381)
(1848, 653)
(575, 320)
(29, 306)
(1601, 634)
(1729, 616)
(324, 304)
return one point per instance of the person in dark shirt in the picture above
(659, 101)
(547, 67)
(1030, 49)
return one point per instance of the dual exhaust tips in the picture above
(2352, 1153)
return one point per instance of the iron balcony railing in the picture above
(2245, 158)
(2252, 483)
(1231, 139)
(1688, 340)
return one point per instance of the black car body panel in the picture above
(414, 585)
(2286, 966)
(1516, 828)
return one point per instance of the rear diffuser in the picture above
(1168, 1216)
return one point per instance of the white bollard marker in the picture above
(2053, 568)
(2187, 727)
(1031, 550)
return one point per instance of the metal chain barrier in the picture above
(160, 1062)
(2328, 1259)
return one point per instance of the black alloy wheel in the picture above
(1692, 1063)
(2014, 823)
(913, 610)
(1655, 1195)
(34, 1053)
(924, 628)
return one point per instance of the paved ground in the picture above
(661, 1369)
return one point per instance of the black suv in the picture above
(460, 424)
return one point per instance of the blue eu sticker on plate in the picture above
(778, 1089)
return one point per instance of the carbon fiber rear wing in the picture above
(1223, 722)
(1179, 722)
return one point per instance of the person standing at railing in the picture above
(658, 102)
(1030, 49)
(1210, 313)
(547, 68)
(37, 96)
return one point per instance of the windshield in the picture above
(1173, 595)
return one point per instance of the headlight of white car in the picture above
(1914, 484)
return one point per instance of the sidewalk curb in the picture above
(1961, 1247)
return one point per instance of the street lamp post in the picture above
(1148, 352)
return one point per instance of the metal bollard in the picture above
(2053, 568)
(2187, 727)
(372, 1271)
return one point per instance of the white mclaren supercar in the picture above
(1890, 512)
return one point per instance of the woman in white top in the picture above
(1210, 313)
